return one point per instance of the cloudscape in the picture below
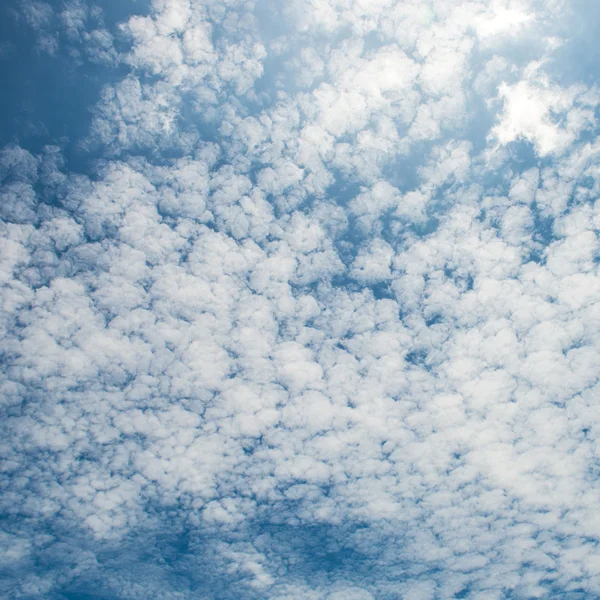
(300, 299)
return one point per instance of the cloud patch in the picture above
(317, 319)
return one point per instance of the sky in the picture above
(300, 300)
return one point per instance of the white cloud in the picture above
(373, 263)
(326, 339)
(542, 113)
(503, 18)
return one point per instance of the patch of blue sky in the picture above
(51, 89)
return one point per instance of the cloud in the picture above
(544, 114)
(78, 27)
(316, 319)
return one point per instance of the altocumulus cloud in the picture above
(300, 300)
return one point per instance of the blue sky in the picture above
(299, 300)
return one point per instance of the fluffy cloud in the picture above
(546, 115)
(319, 317)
